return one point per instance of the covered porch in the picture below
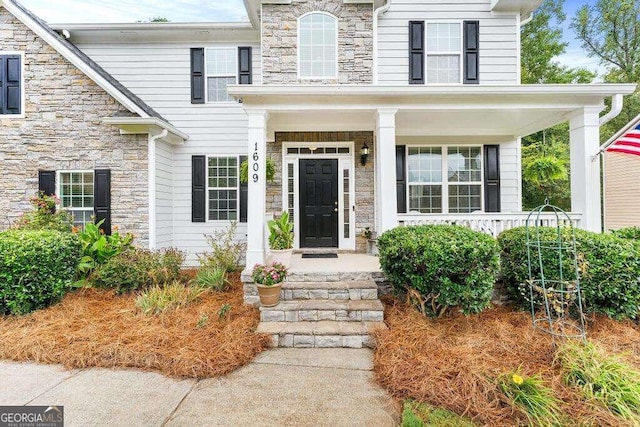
(317, 128)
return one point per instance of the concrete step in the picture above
(343, 290)
(323, 333)
(324, 309)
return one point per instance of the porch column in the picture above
(585, 168)
(385, 155)
(257, 188)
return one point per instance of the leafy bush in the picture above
(46, 215)
(446, 265)
(280, 232)
(605, 379)
(227, 252)
(609, 268)
(159, 299)
(37, 267)
(214, 278)
(532, 397)
(627, 233)
(97, 248)
(138, 269)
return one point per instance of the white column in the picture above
(385, 155)
(585, 167)
(257, 150)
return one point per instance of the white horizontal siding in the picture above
(159, 73)
(499, 38)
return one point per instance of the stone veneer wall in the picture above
(63, 131)
(280, 35)
(364, 184)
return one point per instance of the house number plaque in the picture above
(255, 165)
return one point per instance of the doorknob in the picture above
(335, 203)
(335, 209)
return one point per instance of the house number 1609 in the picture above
(255, 166)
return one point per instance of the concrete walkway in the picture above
(282, 387)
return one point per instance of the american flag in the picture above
(628, 143)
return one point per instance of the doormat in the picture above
(319, 255)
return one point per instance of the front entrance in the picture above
(318, 203)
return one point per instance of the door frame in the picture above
(346, 161)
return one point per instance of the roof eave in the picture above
(147, 125)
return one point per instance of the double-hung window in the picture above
(222, 187)
(317, 46)
(444, 52)
(221, 70)
(76, 194)
(431, 190)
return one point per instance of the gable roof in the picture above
(78, 58)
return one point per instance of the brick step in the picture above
(323, 309)
(342, 290)
(325, 333)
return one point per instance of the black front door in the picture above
(318, 203)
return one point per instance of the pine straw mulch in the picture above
(452, 362)
(99, 328)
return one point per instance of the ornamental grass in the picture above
(93, 327)
(456, 363)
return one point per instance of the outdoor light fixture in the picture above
(364, 154)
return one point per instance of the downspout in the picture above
(617, 102)
(151, 160)
(378, 11)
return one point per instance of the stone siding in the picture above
(62, 130)
(280, 35)
(364, 175)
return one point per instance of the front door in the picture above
(318, 203)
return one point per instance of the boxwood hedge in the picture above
(609, 265)
(37, 267)
(451, 266)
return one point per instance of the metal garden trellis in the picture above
(554, 275)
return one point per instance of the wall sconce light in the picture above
(364, 154)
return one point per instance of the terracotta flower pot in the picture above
(269, 295)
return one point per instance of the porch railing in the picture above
(490, 223)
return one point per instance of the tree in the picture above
(610, 31)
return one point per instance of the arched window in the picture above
(317, 46)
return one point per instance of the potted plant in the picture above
(281, 238)
(270, 171)
(268, 279)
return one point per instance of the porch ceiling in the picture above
(514, 110)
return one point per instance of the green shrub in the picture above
(159, 299)
(227, 252)
(46, 215)
(98, 248)
(603, 378)
(37, 267)
(138, 269)
(214, 278)
(448, 266)
(609, 268)
(627, 233)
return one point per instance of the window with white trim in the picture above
(317, 46)
(431, 191)
(444, 52)
(222, 188)
(221, 69)
(75, 190)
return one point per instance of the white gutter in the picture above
(151, 170)
(617, 101)
(378, 11)
(526, 20)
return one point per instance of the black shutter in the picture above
(492, 178)
(102, 198)
(197, 75)
(198, 188)
(47, 182)
(401, 178)
(10, 79)
(244, 195)
(244, 65)
(471, 52)
(416, 52)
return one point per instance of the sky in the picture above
(57, 11)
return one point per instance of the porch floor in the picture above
(345, 263)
